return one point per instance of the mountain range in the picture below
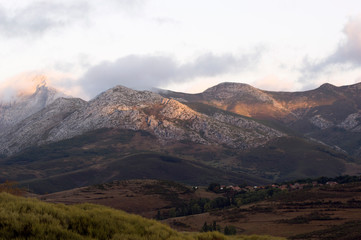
(329, 114)
(231, 132)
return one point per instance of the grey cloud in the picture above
(145, 72)
(80, 62)
(35, 17)
(138, 72)
(40, 16)
(349, 51)
(346, 55)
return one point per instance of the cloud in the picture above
(209, 65)
(345, 58)
(35, 17)
(20, 85)
(39, 17)
(146, 72)
(26, 83)
(346, 55)
(349, 50)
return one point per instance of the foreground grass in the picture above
(23, 218)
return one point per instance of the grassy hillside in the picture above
(23, 218)
(139, 166)
(112, 154)
(291, 158)
(347, 140)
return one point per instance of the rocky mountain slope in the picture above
(329, 114)
(12, 112)
(34, 130)
(124, 108)
(126, 134)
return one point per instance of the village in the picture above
(289, 187)
(284, 186)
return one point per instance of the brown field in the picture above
(142, 197)
(300, 212)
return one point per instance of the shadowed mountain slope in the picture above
(114, 154)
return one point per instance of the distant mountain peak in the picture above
(126, 96)
(41, 81)
(27, 103)
(120, 88)
(230, 91)
(328, 86)
(229, 87)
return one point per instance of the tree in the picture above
(205, 227)
(230, 230)
(214, 187)
(195, 209)
(172, 213)
(216, 227)
(207, 206)
(158, 216)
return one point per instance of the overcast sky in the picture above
(87, 46)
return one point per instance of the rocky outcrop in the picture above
(167, 119)
(352, 122)
(320, 122)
